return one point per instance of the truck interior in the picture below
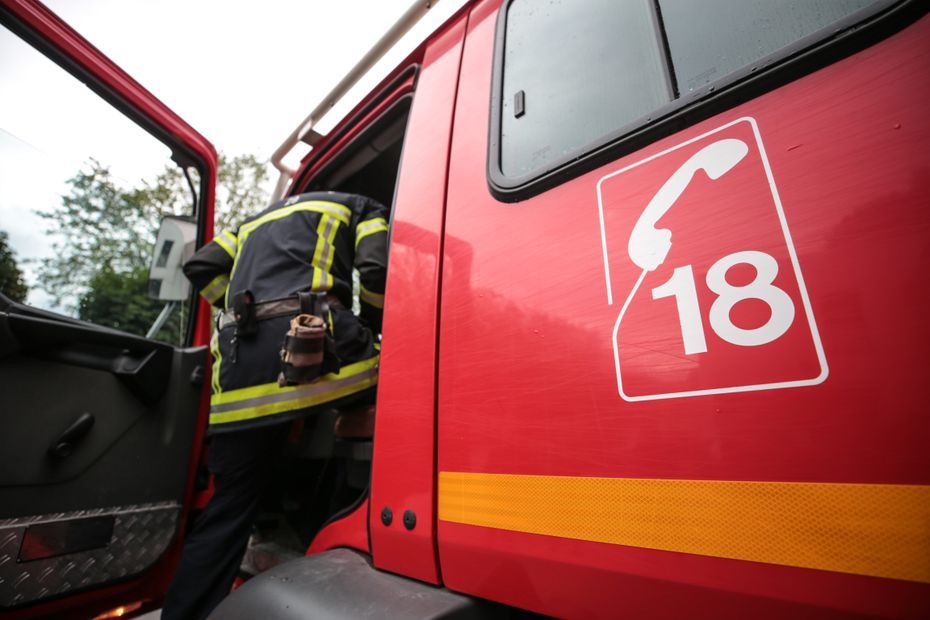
(320, 476)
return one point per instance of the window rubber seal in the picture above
(845, 37)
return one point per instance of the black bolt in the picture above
(386, 516)
(410, 519)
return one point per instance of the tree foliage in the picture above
(104, 234)
(240, 190)
(110, 290)
(12, 281)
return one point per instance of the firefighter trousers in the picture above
(241, 463)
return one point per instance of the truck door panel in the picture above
(563, 489)
(128, 470)
(403, 476)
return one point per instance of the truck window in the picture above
(83, 191)
(569, 81)
(578, 75)
(754, 30)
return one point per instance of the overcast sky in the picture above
(242, 73)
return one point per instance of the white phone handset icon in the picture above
(649, 246)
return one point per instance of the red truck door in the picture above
(100, 427)
(681, 357)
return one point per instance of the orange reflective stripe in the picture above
(881, 530)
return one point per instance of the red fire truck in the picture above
(653, 341)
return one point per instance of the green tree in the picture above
(109, 290)
(104, 235)
(12, 282)
(240, 190)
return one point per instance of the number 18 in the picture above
(682, 287)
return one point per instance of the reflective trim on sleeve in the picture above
(370, 298)
(215, 290)
(324, 253)
(369, 227)
(268, 399)
(228, 242)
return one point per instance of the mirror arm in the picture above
(162, 318)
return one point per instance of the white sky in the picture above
(242, 73)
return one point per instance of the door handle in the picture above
(64, 445)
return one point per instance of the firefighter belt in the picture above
(308, 351)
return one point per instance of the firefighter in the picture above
(286, 342)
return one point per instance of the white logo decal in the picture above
(730, 224)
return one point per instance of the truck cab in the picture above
(653, 339)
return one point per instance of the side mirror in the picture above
(175, 244)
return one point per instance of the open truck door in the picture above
(102, 424)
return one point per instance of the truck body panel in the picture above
(682, 374)
(561, 493)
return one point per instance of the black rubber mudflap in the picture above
(342, 584)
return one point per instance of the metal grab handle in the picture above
(405, 22)
(64, 445)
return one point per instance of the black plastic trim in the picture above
(57, 538)
(816, 51)
(142, 366)
(301, 180)
(339, 584)
(395, 110)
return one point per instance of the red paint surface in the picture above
(527, 382)
(350, 531)
(56, 33)
(572, 579)
(403, 474)
(526, 373)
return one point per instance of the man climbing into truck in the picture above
(285, 343)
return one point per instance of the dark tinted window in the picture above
(605, 61)
(162, 259)
(574, 75)
(711, 38)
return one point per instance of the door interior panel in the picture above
(136, 451)
(96, 433)
(140, 365)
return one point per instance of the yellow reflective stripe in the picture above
(324, 253)
(243, 394)
(336, 210)
(370, 298)
(369, 227)
(217, 360)
(228, 242)
(215, 290)
(268, 399)
(881, 530)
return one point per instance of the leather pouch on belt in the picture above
(303, 352)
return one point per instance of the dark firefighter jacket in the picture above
(308, 242)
